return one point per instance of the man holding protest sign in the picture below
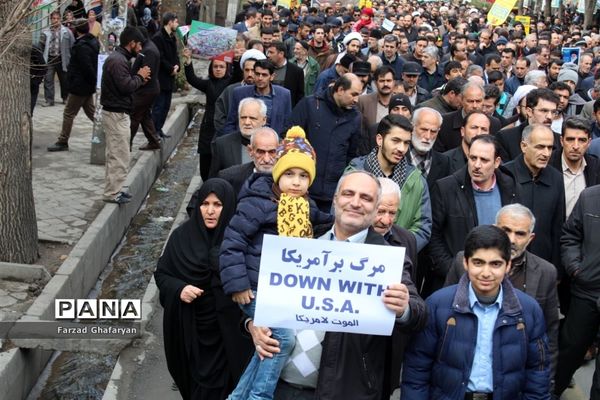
(336, 365)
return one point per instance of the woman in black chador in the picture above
(205, 349)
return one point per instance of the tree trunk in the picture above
(18, 226)
(520, 7)
(174, 6)
(589, 13)
(547, 8)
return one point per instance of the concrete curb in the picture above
(23, 272)
(149, 300)
(19, 369)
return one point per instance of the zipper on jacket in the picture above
(364, 360)
(542, 352)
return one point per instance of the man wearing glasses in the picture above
(541, 108)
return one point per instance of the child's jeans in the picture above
(260, 378)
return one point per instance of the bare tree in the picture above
(18, 226)
(589, 13)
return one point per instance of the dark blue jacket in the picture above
(438, 361)
(255, 216)
(325, 78)
(334, 133)
(511, 86)
(282, 107)
(397, 64)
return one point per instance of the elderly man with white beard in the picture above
(432, 164)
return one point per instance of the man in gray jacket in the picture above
(57, 54)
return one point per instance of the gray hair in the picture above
(474, 67)
(470, 85)
(432, 51)
(533, 76)
(421, 110)
(517, 210)
(528, 130)
(262, 130)
(388, 186)
(360, 171)
(248, 100)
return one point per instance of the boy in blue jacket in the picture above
(484, 339)
(277, 204)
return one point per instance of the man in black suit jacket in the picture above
(579, 170)
(263, 150)
(433, 165)
(287, 74)
(476, 123)
(232, 149)
(541, 108)
(450, 137)
(541, 189)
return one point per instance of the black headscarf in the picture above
(205, 350)
(192, 252)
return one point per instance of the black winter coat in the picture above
(167, 46)
(149, 56)
(212, 88)
(357, 367)
(454, 215)
(545, 197)
(118, 82)
(334, 134)
(83, 68)
(579, 245)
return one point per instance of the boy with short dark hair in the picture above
(484, 339)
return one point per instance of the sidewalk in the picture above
(67, 189)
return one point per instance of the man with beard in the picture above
(507, 60)
(432, 164)
(417, 54)
(563, 91)
(579, 169)
(277, 98)
(332, 125)
(318, 47)
(541, 189)
(232, 149)
(476, 123)
(389, 160)
(468, 198)
(262, 152)
(118, 86)
(222, 105)
(410, 76)
(542, 105)
(528, 272)
(554, 67)
(520, 70)
(353, 43)
(450, 136)
(373, 107)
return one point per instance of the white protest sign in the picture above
(101, 59)
(326, 285)
(388, 25)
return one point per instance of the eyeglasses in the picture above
(546, 111)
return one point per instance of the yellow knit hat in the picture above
(295, 152)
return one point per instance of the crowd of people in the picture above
(397, 123)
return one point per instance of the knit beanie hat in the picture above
(567, 73)
(295, 152)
